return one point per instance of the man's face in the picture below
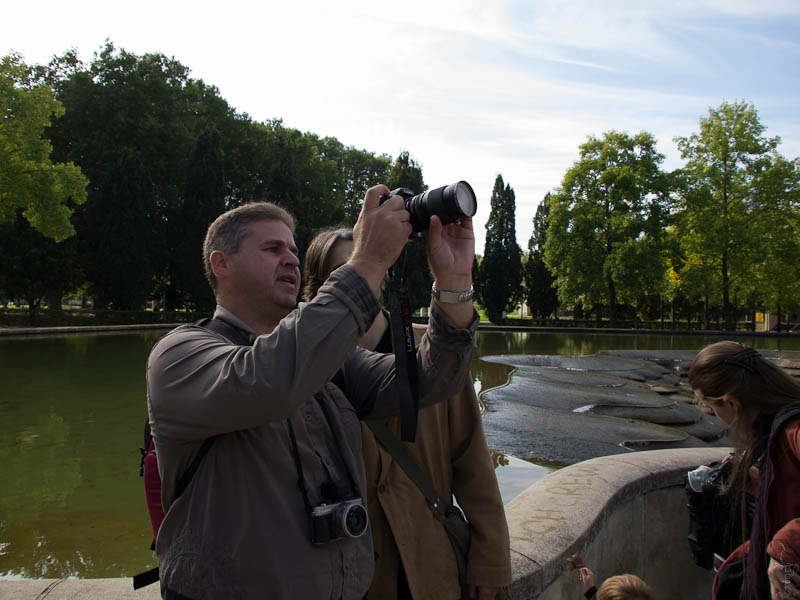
(265, 268)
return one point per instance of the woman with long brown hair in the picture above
(413, 555)
(761, 404)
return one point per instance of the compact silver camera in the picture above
(343, 519)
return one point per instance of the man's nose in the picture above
(290, 258)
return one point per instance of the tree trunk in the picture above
(54, 302)
(33, 309)
(612, 303)
(705, 312)
(726, 301)
(673, 324)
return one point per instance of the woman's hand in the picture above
(587, 578)
(479, 592)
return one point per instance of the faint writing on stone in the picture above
(563, 495)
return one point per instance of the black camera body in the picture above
(344, 519)
(450, 203)
(714, 530)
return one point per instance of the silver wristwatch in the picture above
(452, 297)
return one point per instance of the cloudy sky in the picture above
(470, 88)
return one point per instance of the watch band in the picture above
(449, 297)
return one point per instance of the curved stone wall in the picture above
(623, 514)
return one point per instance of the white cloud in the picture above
(470, 88)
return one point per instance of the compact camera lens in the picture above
(355, 520)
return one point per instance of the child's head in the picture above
(625, 587)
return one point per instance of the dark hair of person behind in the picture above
(761, 388)
(317, 262)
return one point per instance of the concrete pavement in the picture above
(75, 589)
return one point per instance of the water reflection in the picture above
(515, 475)
(72, 410)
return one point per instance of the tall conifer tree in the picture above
(501, 268)
(540, 295)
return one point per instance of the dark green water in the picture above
(71, 415)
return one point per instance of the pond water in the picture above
(72, 410)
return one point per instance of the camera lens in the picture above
(355, 520)
(450, 203)
(463, 199)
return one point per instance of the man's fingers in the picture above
(373, 196)
(434, 233)
(466, 223)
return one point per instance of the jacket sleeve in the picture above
(476, 489)
(785, 544)
(443, 358)
(199, 384)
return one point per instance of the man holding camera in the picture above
(273, 506)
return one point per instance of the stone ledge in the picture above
(574, 511)
(75, 589)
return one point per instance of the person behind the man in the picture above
(286, 440)
(413, 555)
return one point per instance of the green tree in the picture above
(724, 159)
(540, 294)
(604, 240)
(29, 180)
(355, 172)
(776, 204)
(407, 173)
(501, 267)
(203, 200)
(34, 267)
(131, 124)
(477, 284)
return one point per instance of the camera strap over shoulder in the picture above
(240, 338)
(451, 517)
(399, 454)
(337, 435)
(406, 375)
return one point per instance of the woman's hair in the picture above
(761, 389)
(734, 369)
(625, 587)
(317, 264)
(231, 227)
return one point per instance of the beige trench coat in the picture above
(451, 449)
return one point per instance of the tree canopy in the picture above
(603, 241)
(29, 180)
(725, 162)
(131, 158)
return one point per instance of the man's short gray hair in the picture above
(230, 228)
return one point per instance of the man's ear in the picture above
(219, 263)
